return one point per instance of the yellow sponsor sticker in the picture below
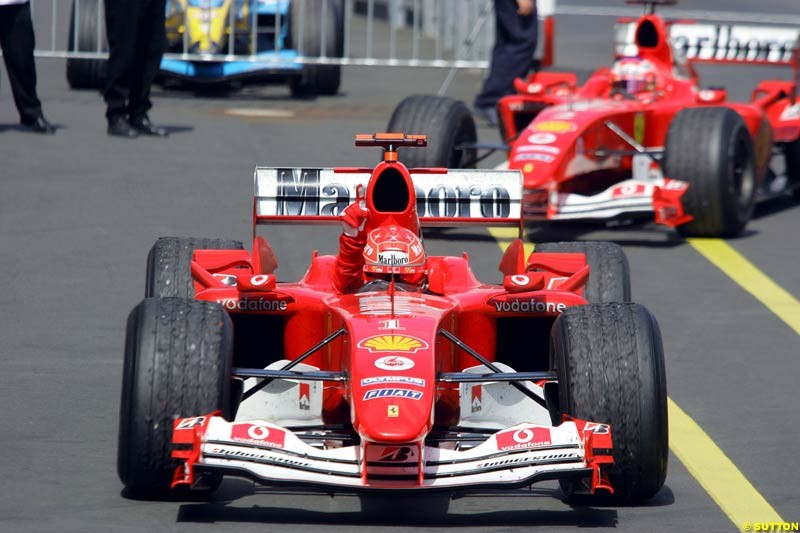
(393, 343)
(555, 126)
(638, 127)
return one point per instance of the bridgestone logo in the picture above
(253, 304)
(525, 461)
(241, 454)
(529, 306)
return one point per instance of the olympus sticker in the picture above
(408, 394)
(378, 380)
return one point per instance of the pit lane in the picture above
(79, 211)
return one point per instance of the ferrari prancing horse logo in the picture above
(393, 343)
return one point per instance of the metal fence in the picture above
(426, 33)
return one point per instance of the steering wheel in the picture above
(617, 91)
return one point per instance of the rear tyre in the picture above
(86, 73)
(307, 32)
(609, 271)
(169, 264)
(448, 124)
(178, 355)
(610, 364)
(711, 148)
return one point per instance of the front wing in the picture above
(661, 197)
(272, 455)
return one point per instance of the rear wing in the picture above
(721, 43)
(444, 197)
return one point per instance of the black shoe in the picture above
(38, 124)
(145, 127)
(119, 127)
(487, 113)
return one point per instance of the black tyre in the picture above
(169, 264)
(308, 31)
(609, 271)
(610, 364)
(448, 124)
(178, 355)
(792, 154)
(86, 73)
(711, 148)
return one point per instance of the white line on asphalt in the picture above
(258, 113)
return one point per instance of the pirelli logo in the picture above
(320, 192)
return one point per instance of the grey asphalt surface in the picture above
(79, 211)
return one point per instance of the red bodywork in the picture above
(394, 346)
(586, 150)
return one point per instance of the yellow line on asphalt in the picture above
(707, 463)
(717, 474)
(739, 269)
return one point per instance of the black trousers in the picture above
(512, 56)
(136, 42)
(17, 40)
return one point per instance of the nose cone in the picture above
(393, 387)
(206, 27)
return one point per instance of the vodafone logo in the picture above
(394, 362)
(528, 437)
(542, 138)
(520, 279)
(258, 432)
(261, 279)
(258, 435)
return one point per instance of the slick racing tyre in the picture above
(316, 28)
(169, 264)
(448, 124)
(178, 356)
(711, 148)
(610, 365)
(86, 73)
(609, 272)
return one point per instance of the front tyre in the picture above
(610, 364)
(711, 148)
(86, 73)
(316, 28)
(448, 124)
(169, 271)
(609, 271)
(178, 357)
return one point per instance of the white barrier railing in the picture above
(427, 33)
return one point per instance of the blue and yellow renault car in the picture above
(202, 35)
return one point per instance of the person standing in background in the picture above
(136, 42)
(512, 56)
(18, 41)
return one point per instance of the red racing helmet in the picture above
(633, 74)
(394, 250)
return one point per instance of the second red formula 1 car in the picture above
(440, 384)
(641, 139)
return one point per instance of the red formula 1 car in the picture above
(641, 139)
(448, 385)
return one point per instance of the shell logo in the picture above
(555, 126)
(393, 343)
